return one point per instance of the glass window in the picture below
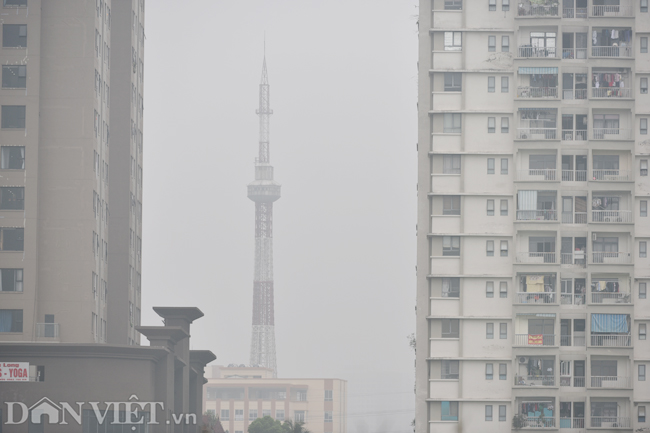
(13, 239)
(451, 205)
(490, 207)
(644, 5)
(489, 289)
(14, 35)
(644, 167)
(505, 43)
(453, 41)
(492, 127)
(504, 207)
(488, 412)
(644, 208)
(449, 410)
(490, 166)
(453, 5)
(491, 85)
(505, 86)
(329, 395)
(451, 245)
(453, 81)
(504, 165)
(12, 198)
(329, 417)
(451, 164)
(642, 331)
(11, 320)
(503, 331)
(451, 287)
(279, 414)
(502, 409)
(452, 123)
(492, 43)
(11, 280)
(14, 77)
(504, 248)
(503, 371)
(252, 414)
(15, 2)
(644, 44)
(225, 415)
(641, 372)
(12, 158)
(503, 289)
(643, 249)
(489, 248)
(641, 413)
(489, 371)
(643, 126)
(644, 85)
(450, 328)
(239, 414)
(642, 290)
(299, 416)
(505, 125)
(505, 5)
(489, 331)
(449, 370)
(492, 5)
(13, 116)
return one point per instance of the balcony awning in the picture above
(552, 110)
(609, 323)
(537, 314)
(529, 70)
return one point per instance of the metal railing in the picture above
(568, 135)
(535, 257)
(611, 216)
(577, 259)
(610, 298)
(574, 94)
(610, 382)
(574, 53)
(534, 340)
(574, 13)
(47, 330)
(573, 340)
(611, 175)
(612, 10)
(611, 134)
(536, 298)
(611, 92)
(540, 52)
(538, 11)
(625, 51)
(537, 215)
(573, 299)
(610, 421)
(577, 382)
(537, 133)
(611, 340)
(536, 92)
(574, 217)
(533, 380)
(611, 258)
(539, 422)
(572, 423)
(538, 174)
(574, 175)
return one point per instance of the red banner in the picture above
(535, 340)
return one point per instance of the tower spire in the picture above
(263, 191)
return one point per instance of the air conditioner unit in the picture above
(594, 237)
(523, 360)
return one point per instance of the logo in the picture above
(132, 412)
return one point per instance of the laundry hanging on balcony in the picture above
(534, 283)
(609, 323)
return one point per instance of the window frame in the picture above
(643, 126)
(643, 331)
(456, 41)
(20, 72)
(492, 5)
(505, 85)
(489, 371)
(643, 208)
(451, 250)
(491, 87)
(504, 209)
(453, 166)
(505, 125)
(489, 289)
(490, 207)
(503, 412)
(492, 43)
(488, 412)
(451, 205)
(503, 371)
(643, 6)
(492, 125)
(643, 167)
(503, 331)
(490, 165)
(6, 39)
(503, 289)
(643, 290)
(643, 85)
(505, 5)
(453, 5)
(489, 331)
(504, 251)
(641, 372)
(456, 81)
(454, 118)
(505, 44)
(504, 166)
(641, 414)
(644, 44)
(17, 121)
(489, 248)
(643, 249)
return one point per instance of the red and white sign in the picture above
(14, 371)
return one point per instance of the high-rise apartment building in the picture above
(533, 227)
(71, 72)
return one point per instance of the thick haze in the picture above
(343, 134)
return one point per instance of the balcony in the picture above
(580, 135)
(610, 298)
(610, 422)
(611, 134)
(575, 422)
(574, 94)
(536, 92)
(539, 422)
(580, 13)
(574, 176)
(536, 258)
(537, 340)
(574, 53)
(573, 340)
(573, 299)
(574, 217)
(611, 258)
(611, 92)
(613, 52)
(537, 215)
(537, 175)
(611, 340)
(536, 298)
(576, 382)
(526, 51)
(534, 380)
(526, 9)
(611, 216)
(610, 382)
(611, 175)
(624, 9)
(537, 134)
(47, 330)
(576, 259)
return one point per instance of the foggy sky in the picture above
(343, 89)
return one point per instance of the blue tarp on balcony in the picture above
(609, 323)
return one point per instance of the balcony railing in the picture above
(574, 175)
(577, 259)
(611, 340)
(538, 11)
(611, 258)
(611, 216)
(574, 217)
(537, 215)
(617, 52)
(536, 298)
(577, 382)
(574, 53)
(572, 423)
(536, 92)
(610, 382)
(535, 380)
(611, 134)
(573, 340)
(573, 299)
(574, 94)
(611, 175)
(568, 135)
(610, 421)
(610, 298)
(622, 10)
(574, 13)
(611, 92)
(537, 133)
(539, 52)
(534, 340)
(538, 174)
(47, 330)
(539, 422)
(535, 257)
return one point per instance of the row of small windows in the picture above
(457, 5)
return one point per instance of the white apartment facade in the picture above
(533, 229)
